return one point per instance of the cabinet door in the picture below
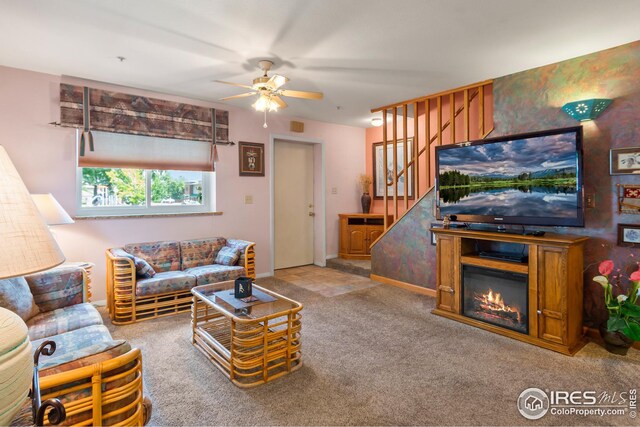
(357, 243)
(448, 272)
(552, 298)
(373, 232)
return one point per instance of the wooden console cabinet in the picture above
(555, 281)
(358, 232)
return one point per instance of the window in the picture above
(120, 191)
(139, 175)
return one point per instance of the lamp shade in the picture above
(26, 245)
(587, 109)
(50, 209)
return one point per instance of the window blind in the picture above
(161, 134)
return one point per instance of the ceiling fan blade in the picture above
(301, 94)
(242, 95)
(233, 84)
(279, 101)
(277, 80)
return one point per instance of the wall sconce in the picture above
(587, 109)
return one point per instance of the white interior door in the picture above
(293, 204)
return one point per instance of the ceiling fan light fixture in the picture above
(265, 103)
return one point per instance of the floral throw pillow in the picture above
(16, 296)
(143, 268)
(227, 256)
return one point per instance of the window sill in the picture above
(156, 215)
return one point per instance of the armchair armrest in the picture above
(106, 392)
(247, 259)
(58, 287)
(121, 285)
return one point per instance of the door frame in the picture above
(319, 200)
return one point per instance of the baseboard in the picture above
(263, 275)
(99, 303)
(332, 256)
(404, 285)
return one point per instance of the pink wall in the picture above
(45, 158)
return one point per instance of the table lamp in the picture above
(50, 209)
(26, 246)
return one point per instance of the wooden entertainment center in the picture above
(554, 273)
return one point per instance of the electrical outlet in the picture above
(334, 190)
(248, 200)
(590, 200)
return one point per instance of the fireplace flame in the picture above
(493, 302)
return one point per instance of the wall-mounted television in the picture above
(528, 179)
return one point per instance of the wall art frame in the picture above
(251, 158)
(628, 199)
(378, 169)
(624, 161)
(629, 235)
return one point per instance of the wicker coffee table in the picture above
(251, 343)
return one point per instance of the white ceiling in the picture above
(361, 53)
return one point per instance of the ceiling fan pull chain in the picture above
(265, 119)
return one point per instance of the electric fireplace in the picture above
(497, 297)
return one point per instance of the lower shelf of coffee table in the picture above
(250, 352)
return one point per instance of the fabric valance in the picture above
(139, 115)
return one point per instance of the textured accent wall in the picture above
(405, 253)
(530, 101)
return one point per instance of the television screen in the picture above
(533, 178)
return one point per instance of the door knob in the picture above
(312, 214)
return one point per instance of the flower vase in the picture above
(365, 200)
(615, 342)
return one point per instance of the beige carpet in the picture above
(375, 356)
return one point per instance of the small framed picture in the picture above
(251, 158)
(629, 235)
(624, 161)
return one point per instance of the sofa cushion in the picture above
(63, 320)
(228, 256)
(167, 281)
(16, 296)
(76, 340)
(215, 273)
(199, 252)
(241, 245)
(162, 256)
(143, 269)
(57, 288)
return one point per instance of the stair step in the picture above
(353, 266)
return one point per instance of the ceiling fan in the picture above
(268, 90)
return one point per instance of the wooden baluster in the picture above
(427, 138)
(416, 141)
(481, 110)
(406, 156)
(384, 168)
(452, 117)
(466, 114)
(395, 164)
(439, 106)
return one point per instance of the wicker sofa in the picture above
(177, 266)
(97, 378)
